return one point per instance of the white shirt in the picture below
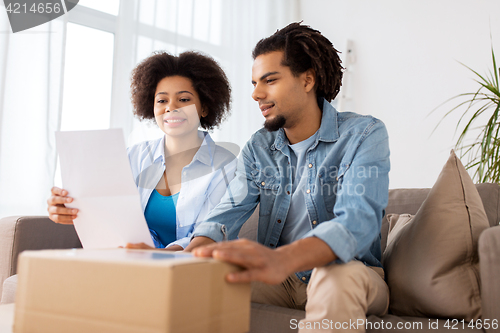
(204, 180)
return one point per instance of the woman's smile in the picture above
(174, 121)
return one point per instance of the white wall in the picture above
(407, 55)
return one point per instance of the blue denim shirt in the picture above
(348, 186)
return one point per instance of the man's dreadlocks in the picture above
(305, 48)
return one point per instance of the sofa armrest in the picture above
(19, 233)
(489, 262)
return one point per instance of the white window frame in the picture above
(127, 22)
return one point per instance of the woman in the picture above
(184, 174)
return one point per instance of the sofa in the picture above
(38, 232)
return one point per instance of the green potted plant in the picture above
(484, 151)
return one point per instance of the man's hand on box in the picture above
(260, 263)
(266, 265)
(58, 212)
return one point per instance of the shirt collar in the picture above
(205, 153)
(207, 150)
(328, 130)
(159, 152)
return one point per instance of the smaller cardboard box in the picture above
(127, 291)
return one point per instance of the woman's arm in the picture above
(142, 246)
(197, 242)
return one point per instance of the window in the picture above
(106, 6)
(93, 96)
(96, 98)
(87, 79)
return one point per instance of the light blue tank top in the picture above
(161, 218)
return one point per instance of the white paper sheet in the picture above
(96, 172)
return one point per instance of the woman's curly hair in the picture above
(305, 48)
(208, 79)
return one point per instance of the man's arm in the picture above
(266, 265)
(236, 206)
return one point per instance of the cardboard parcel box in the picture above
(125, 291)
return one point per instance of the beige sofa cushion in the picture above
(9, 290)
(431, 261)
(397, 223)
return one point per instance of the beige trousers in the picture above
(337, 298)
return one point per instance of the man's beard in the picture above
(275, 123)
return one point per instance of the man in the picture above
(321, 179)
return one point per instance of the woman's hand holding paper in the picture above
(58, 212)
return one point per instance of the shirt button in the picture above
(279, 221)
(288, 192)
(308, 191)
(303, 278)
(310, 165)
(315, 222)
(263, 183)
